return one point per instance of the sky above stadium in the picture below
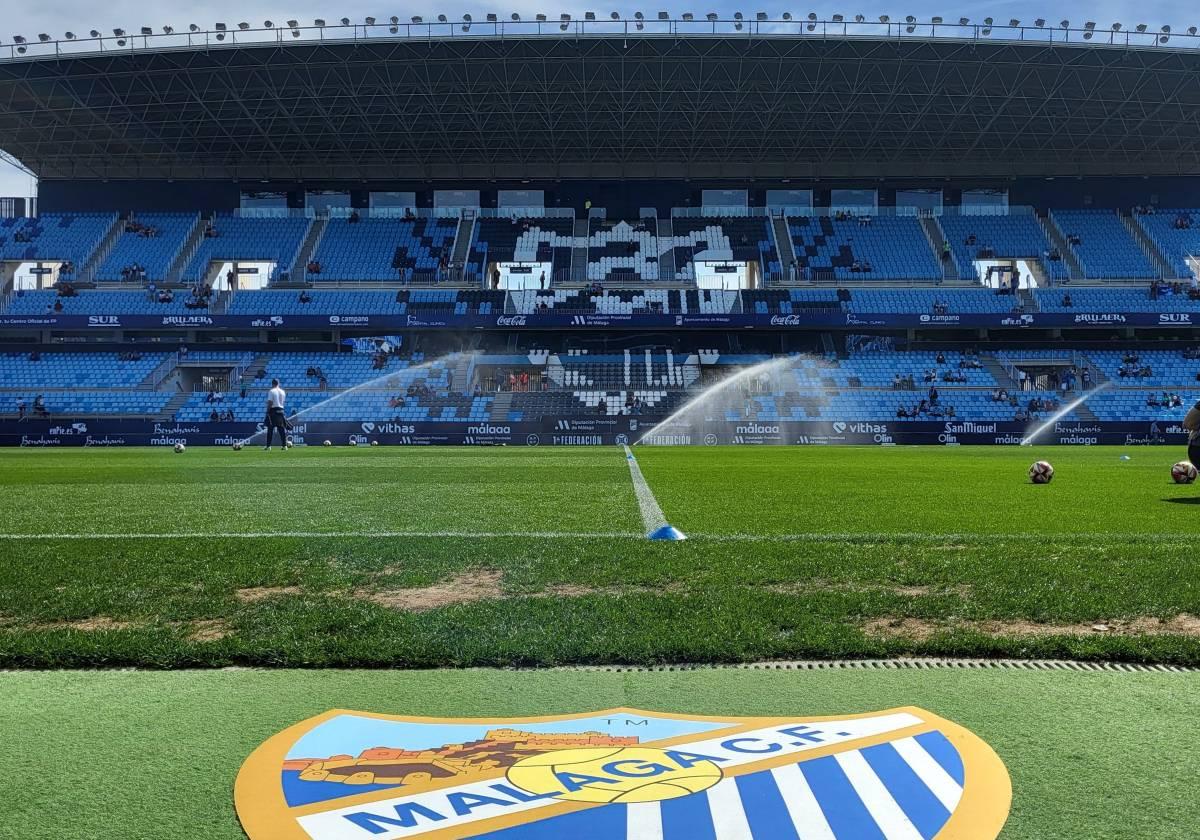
(57, 16)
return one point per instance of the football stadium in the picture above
(612, 426)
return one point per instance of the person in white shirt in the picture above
(276, 418)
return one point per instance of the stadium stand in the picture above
(742, 239)
(77, 370)
(1176, 235)
(545, 239)
(70, 237)
(1013, 236)
(867, 248)
(83, 404)
(1104, 246)
(1117, 299)
(384, 250)
(623, 252)
(87, 302)
(151, 241)
(249, 238)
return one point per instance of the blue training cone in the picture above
(666, 532)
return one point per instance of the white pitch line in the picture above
(257, 535)
(652, 515)
(814, 537)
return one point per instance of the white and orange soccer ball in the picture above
(1183, 472)
(1041, 472)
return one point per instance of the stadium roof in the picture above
(782, 99)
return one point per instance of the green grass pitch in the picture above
(379, 558)
(427, 557)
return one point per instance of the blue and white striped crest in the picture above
(624, 774)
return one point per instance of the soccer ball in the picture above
(327, 443)
(354, 441)
(1183, 472)
(374, 443)
(179, 447)
(1041, 472)
(237, 447)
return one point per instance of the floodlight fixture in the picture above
(22, 50)
(293, 24)
(909, 19)
(711, 16)
(120, 33)
(491, 18)
(1039, 23)
(787, 15)
(885, 19)
(1089, 25)
(589, 15)
(70, 36)
(737, 15)
(838, 18)
(268, 24)
(964, 21)
(193, 27)
(615, 15)
(664, 16)
(466, 18)
(345, 21)
(441, 18)
(1014, 23)
(369, 21)
(1065, 24)
(936, 19)
(859, 18)
(760, 15)
(43, 37)
(564, 16)
(1141, 27)
(168, 30)
(319, 23)
(220, 27)
(811, 26)
(1191, 30)
(541, 18)
(146, 30)
(1166, 30)
(812, 16)
(987, 21)
(95, 33)
(243, 26)
(417, 19)
(688, 16)
(1087, 35)
(1116, 27)
(395, 20)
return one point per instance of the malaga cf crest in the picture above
(902, 774)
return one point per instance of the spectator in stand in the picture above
(305, 297)
(1066, 300)
(39, 406)
(933, 395)
(21, 407)
(213, 417)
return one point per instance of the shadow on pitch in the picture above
(1184, 500)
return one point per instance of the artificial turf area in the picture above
(152, 756)
(427, 557)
